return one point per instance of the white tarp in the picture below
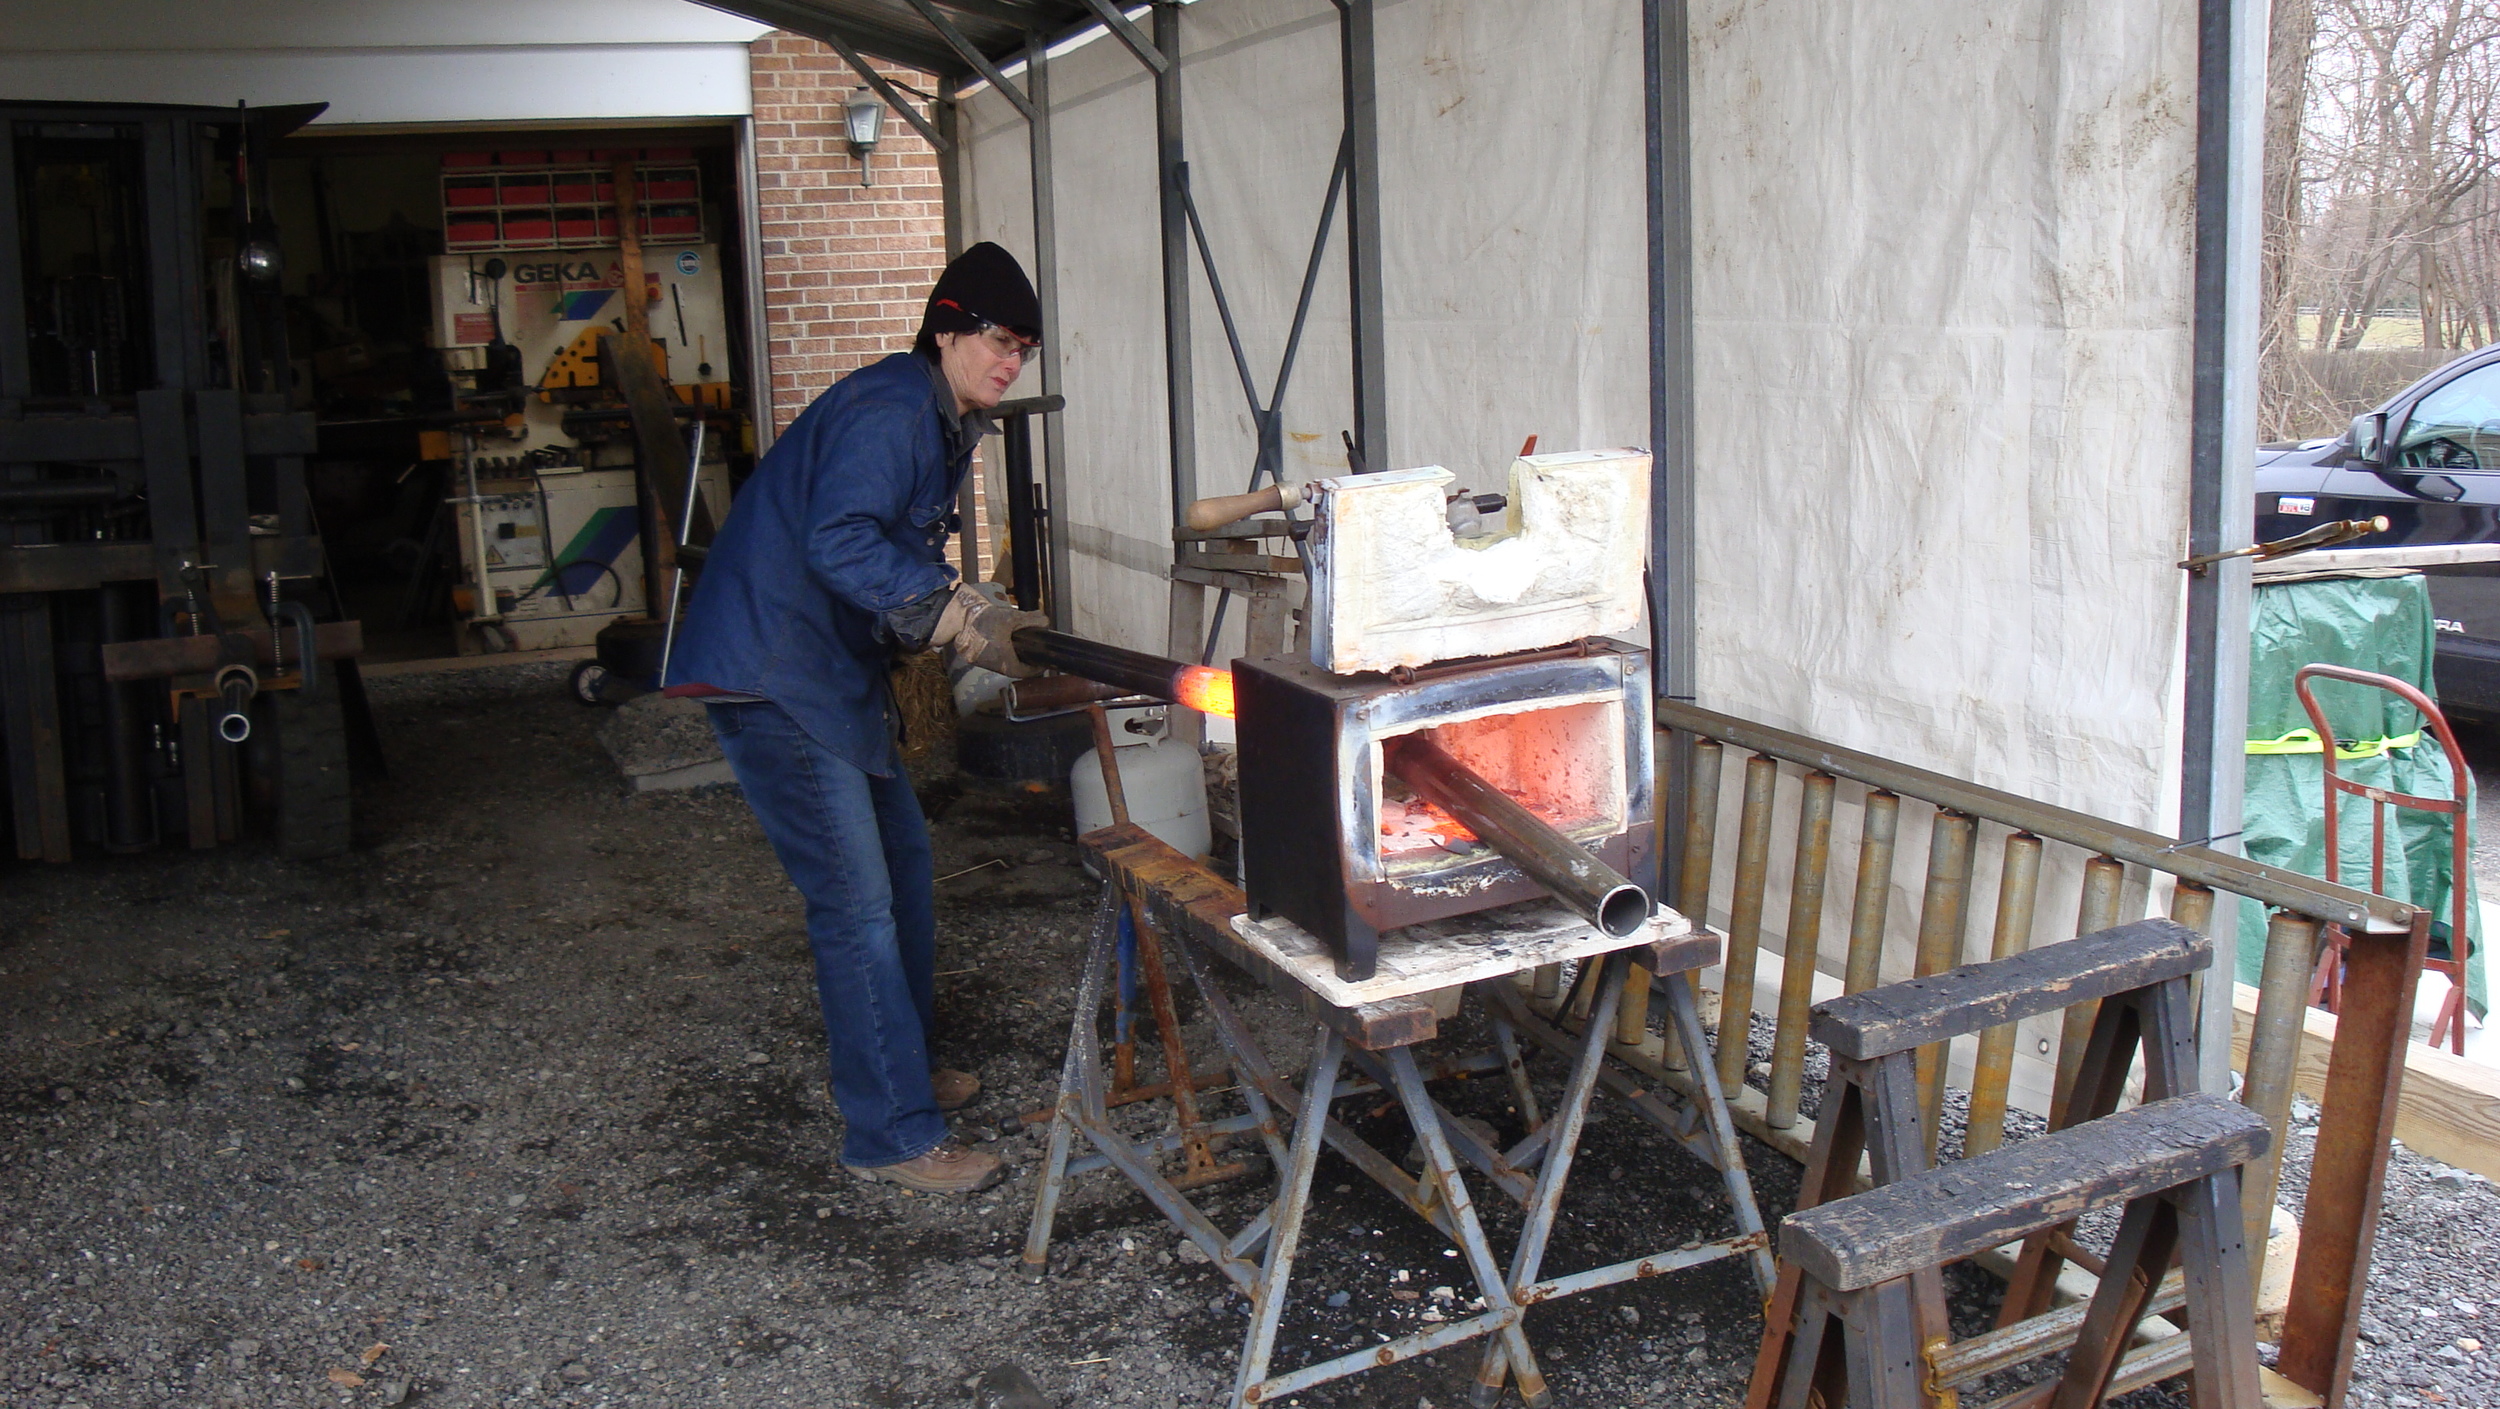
(1943, 265)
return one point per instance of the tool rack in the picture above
(1376, 1027)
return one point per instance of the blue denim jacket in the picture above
(845, 518)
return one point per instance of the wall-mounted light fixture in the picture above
(863, 119)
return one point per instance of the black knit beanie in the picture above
(984, 284)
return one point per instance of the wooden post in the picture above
(629, 251)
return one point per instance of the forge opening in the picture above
(1563, 762)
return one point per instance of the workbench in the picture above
(1376, 1027)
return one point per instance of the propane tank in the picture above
(1160, 777)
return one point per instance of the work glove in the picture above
(980, 631)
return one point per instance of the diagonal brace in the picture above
(971, 52)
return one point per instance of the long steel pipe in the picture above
(1804, 945)
(1197, 686)
(1593, 889)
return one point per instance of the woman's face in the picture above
(980, 366)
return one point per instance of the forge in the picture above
(1337, 837)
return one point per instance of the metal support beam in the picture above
(1162, 55)
(2230, 103)
(887, 36)
(949, 113)
(177, 335)
(1179, 381)
(870, 76)
(1364, 303)
(1046, 290)
(1667, 112)
(759, 335)
(15, 317)
(972, 55)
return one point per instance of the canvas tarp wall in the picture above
(1942, 259)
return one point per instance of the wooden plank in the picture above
(1247, 528)
(1444, 954)
(1915, 1012)
(1186, 899)
(1245, 584)
(161, 656)
(69, 567)
(2448, 1108)
(1681, 954)
(1242, 562)
(79, 439)
(1951, 1212)
(2399, 558)
(88, 439)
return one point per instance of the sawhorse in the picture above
(1196, 911)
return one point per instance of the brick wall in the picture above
(846, 266)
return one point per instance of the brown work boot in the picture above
(948, 1169)
(955, 1089)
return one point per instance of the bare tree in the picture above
(2290, 37)
(2383, 199)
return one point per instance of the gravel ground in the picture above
(520, 1103)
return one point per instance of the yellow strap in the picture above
(2306, 741)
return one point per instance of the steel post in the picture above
(2274, 1058)
(758, 330)
(1364, 302)
(1046, 291)
(1744, 918)
(1701, 829)
(1693, 809)
(2134, 845)
(1943, 910)
(2103, 879)
(1870, 908)
(2018, 892)
(1180, 387)
(1667, 150)
(2230, 151)
(16, 377)
(1803, 946)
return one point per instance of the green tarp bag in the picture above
(2380, 624)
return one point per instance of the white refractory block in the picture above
(1392, 586)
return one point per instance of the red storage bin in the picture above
(521, 227)
(671, 183)
(663, 222)
(521, 158)
(470, 233)
(583, 188)
(574, 157)
(466, 191)
(577, 224)
(521, 190)
(468, 158)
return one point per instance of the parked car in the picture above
(2429, 459)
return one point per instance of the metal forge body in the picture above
(1384, 784)
(1335, 842)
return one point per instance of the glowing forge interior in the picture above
(1563, 762)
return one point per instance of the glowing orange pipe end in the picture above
(1205, 689)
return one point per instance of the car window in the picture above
(2456, 427)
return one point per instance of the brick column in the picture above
(846, 266)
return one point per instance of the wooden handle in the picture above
(1233, 508)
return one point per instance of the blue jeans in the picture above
(855, 846)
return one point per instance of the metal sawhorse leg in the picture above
(1194, 908)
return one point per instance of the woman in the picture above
(833, 563)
